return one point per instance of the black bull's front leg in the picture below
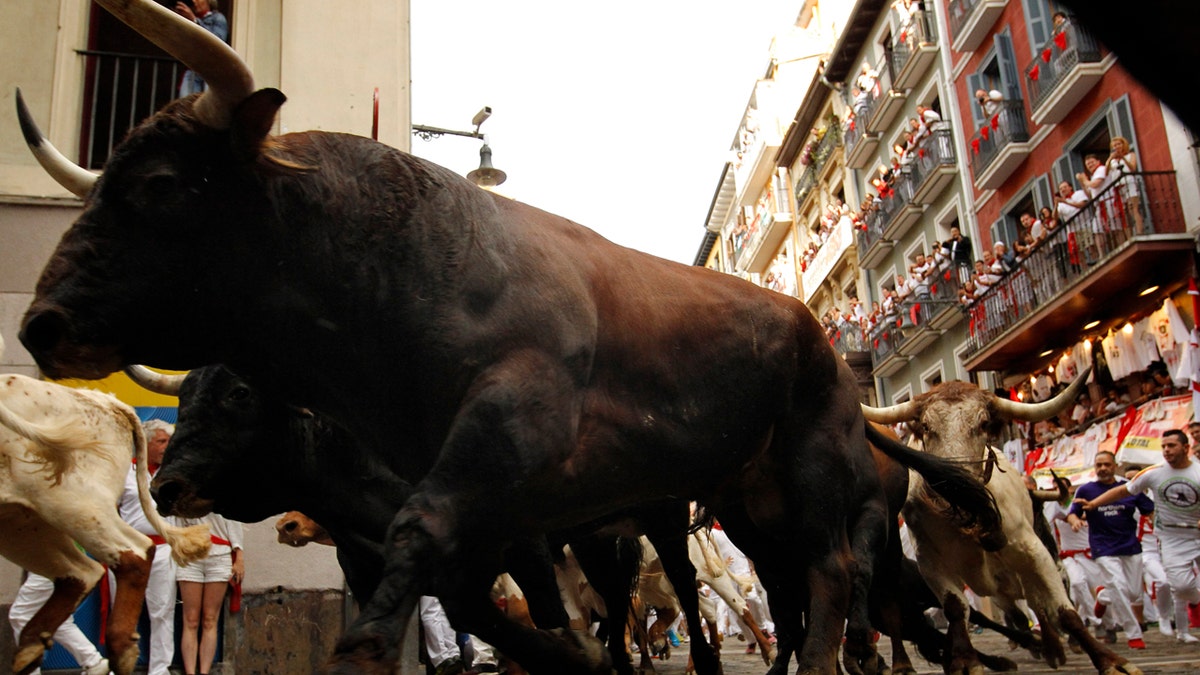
(449, 537)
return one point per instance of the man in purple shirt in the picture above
(1112, 534)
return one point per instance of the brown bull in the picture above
(533, 375)
(955, 421)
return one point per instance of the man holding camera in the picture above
(209, 16)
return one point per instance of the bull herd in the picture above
(455, 384)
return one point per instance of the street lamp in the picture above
(486, 176)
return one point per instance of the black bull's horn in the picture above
(68, 174)
(228, 78)
(159, 383)
(1013, 410)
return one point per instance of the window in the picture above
(1114, 119)
(932, 377)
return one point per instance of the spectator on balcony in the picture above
(1049, 220)
(986, 274)
(989, 101)
(1096, 182)
(940, 260)
(1034, 226)
(1005, 260)
(959, 248)
(867, 79)
(1122, 164)
(208, 14)
(1069, 201)
(1023, 246)
(1082, 411)
(1060, 22)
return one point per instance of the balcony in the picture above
(886, 361)
(860, 146)
(1092, 268)
(971, 21)
(763, 242)
(914, 50)
(935, 166)
(898, 210)
(814, 157)
(831, 253)
(1000, 145)
(121, 90)
(883, 104)
(927, 317)
(873, 249)
(1067, 68)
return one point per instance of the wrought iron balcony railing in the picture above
(1006, 126)
(1070, 46)
(1082, 243)
(121, 90)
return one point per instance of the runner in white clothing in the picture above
(1176, 489)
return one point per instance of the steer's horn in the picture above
(68, 174)
(160, 383)
(901, 412)
(1036, 412)
(228, 78)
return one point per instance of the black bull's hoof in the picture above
(578, 653)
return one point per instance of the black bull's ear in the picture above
(252, 122)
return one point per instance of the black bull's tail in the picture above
(970, 503)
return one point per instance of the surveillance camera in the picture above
(481, 116)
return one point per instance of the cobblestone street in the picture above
(1162, 656)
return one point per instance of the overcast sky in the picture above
(619, 116)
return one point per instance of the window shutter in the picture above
(1065, 168)
(1010, 74)
(1043, 193)
(974, 84)
(1037, 17)
(1120, 120)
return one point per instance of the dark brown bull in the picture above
(537, 375)
(955, 421)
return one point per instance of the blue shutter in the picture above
(1010, 74)
(1120, 120)
(1065, 168)
(1043, 193)
(974, 84)
(1037, 17)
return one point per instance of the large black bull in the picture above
(537, 375)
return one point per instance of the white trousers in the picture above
(439, 635)
(160, 604)
(1157, 588)
(1122, 590)
(1180, 551)
(33, 594)
(1084, 575)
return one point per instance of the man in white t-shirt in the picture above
(1176, 489)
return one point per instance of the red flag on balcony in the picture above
(904, 36)
(1033, 73)
(933, 287)
(971, 327)
(899, 322)
(875, 345)
(947, 275)
(1046, 54)
(975, 145)
(851, 124)
(887, 335)
(912, 313)
(984, 131)
(1061, 40)
(921, 152)
(996, 121)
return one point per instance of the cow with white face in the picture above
(956, 421)
(64, 454)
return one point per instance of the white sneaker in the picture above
(1164, 627)
(100, 668)
(1186, 638)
